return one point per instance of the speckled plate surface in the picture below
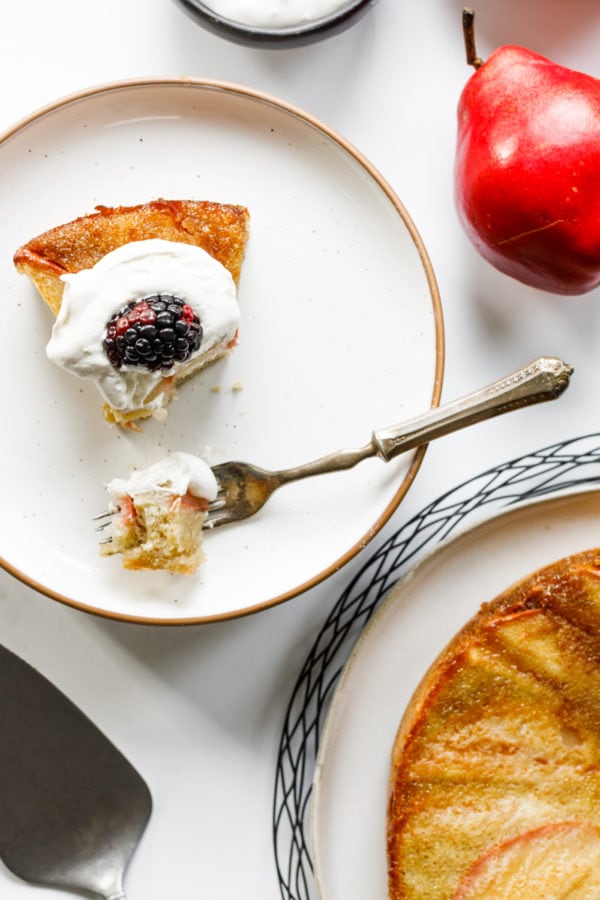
(341, 333)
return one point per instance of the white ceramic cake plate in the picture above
(413, 625)
(341, 333)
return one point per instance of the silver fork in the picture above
(245, 488)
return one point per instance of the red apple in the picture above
(527, 172)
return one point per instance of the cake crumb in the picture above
(237, 386)
(216, 389)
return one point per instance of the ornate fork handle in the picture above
(543, 379)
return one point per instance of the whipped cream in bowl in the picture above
(130, 273)
(276, 23)
(275, 13)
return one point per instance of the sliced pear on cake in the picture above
(502, 737)
(554, 862)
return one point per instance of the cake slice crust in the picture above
(220, 229)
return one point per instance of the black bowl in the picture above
(291, 36)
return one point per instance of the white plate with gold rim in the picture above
(341, 332)
(413, 625)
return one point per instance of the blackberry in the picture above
(155, 333)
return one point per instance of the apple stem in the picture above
(468, 21)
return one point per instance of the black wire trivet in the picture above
(560, 468)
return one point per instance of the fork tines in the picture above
(105, 519)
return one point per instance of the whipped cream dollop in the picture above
(129, 273)
(275, 13)
(178, 473)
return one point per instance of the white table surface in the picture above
(198, 710)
